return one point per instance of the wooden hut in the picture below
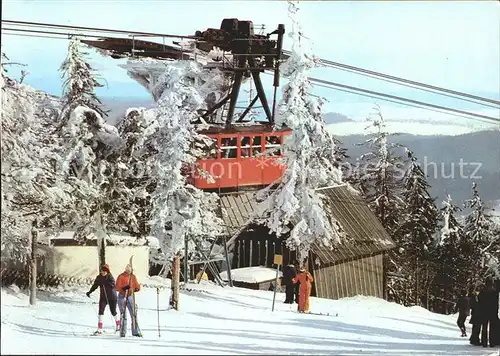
(355, 267)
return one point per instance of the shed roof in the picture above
(365, 234)
(66, 237)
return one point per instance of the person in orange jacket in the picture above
(126, 286)
(305, 279)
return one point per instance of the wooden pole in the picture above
(34, 238)
(158, 308)
(101, 239)
(186, 265)
(278, 260)
(176, 268)
(229, 277)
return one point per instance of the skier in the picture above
(463, 306)
(127, 285)
(475, 317)
(289, 273)
(489, 305)
(106, 283)
(305, 279)
(496, 325)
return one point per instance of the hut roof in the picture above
(66, 237)
(365, 234)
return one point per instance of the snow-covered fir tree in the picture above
(451, 254)
(133, 182)
(451, 229)
(179, 210)
(416, 232)
(480, 235)
(91, 149)
(379, 175)
(80, 82)
(32, 195)
(492, 254)
(310, 157)
(420, 213)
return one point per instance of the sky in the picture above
(453, 44)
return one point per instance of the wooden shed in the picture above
(355, 267)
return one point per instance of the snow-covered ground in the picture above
(216, 320)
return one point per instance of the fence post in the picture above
(34, 238)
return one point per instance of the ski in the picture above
(136, 324)
(324, 314)
(104, 333)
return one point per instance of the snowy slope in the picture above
(215, 320)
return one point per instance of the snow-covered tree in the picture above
(80, 82)
(310, 157)
(91, 148)
(89, 151)
(179, 210)
(492, 254)
(31, 190)
(133, 182)
(419, 215)
(451, 254)
(451, 230)
(480, 234)
(379, 175)
(415, 234)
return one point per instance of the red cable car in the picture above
(246, 156)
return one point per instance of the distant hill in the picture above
(335, 118)
(440, 157)
(118, 106)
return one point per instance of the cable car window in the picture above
(256, 145)
(245, 146)
(229, 147)
(273, 145)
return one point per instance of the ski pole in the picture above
(158, 308)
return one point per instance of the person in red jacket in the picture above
(305, 279)
(126, 286)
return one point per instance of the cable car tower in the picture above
(247, 152)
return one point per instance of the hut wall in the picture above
(82, 261)
(362, 276)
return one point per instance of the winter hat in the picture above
(105, 268)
